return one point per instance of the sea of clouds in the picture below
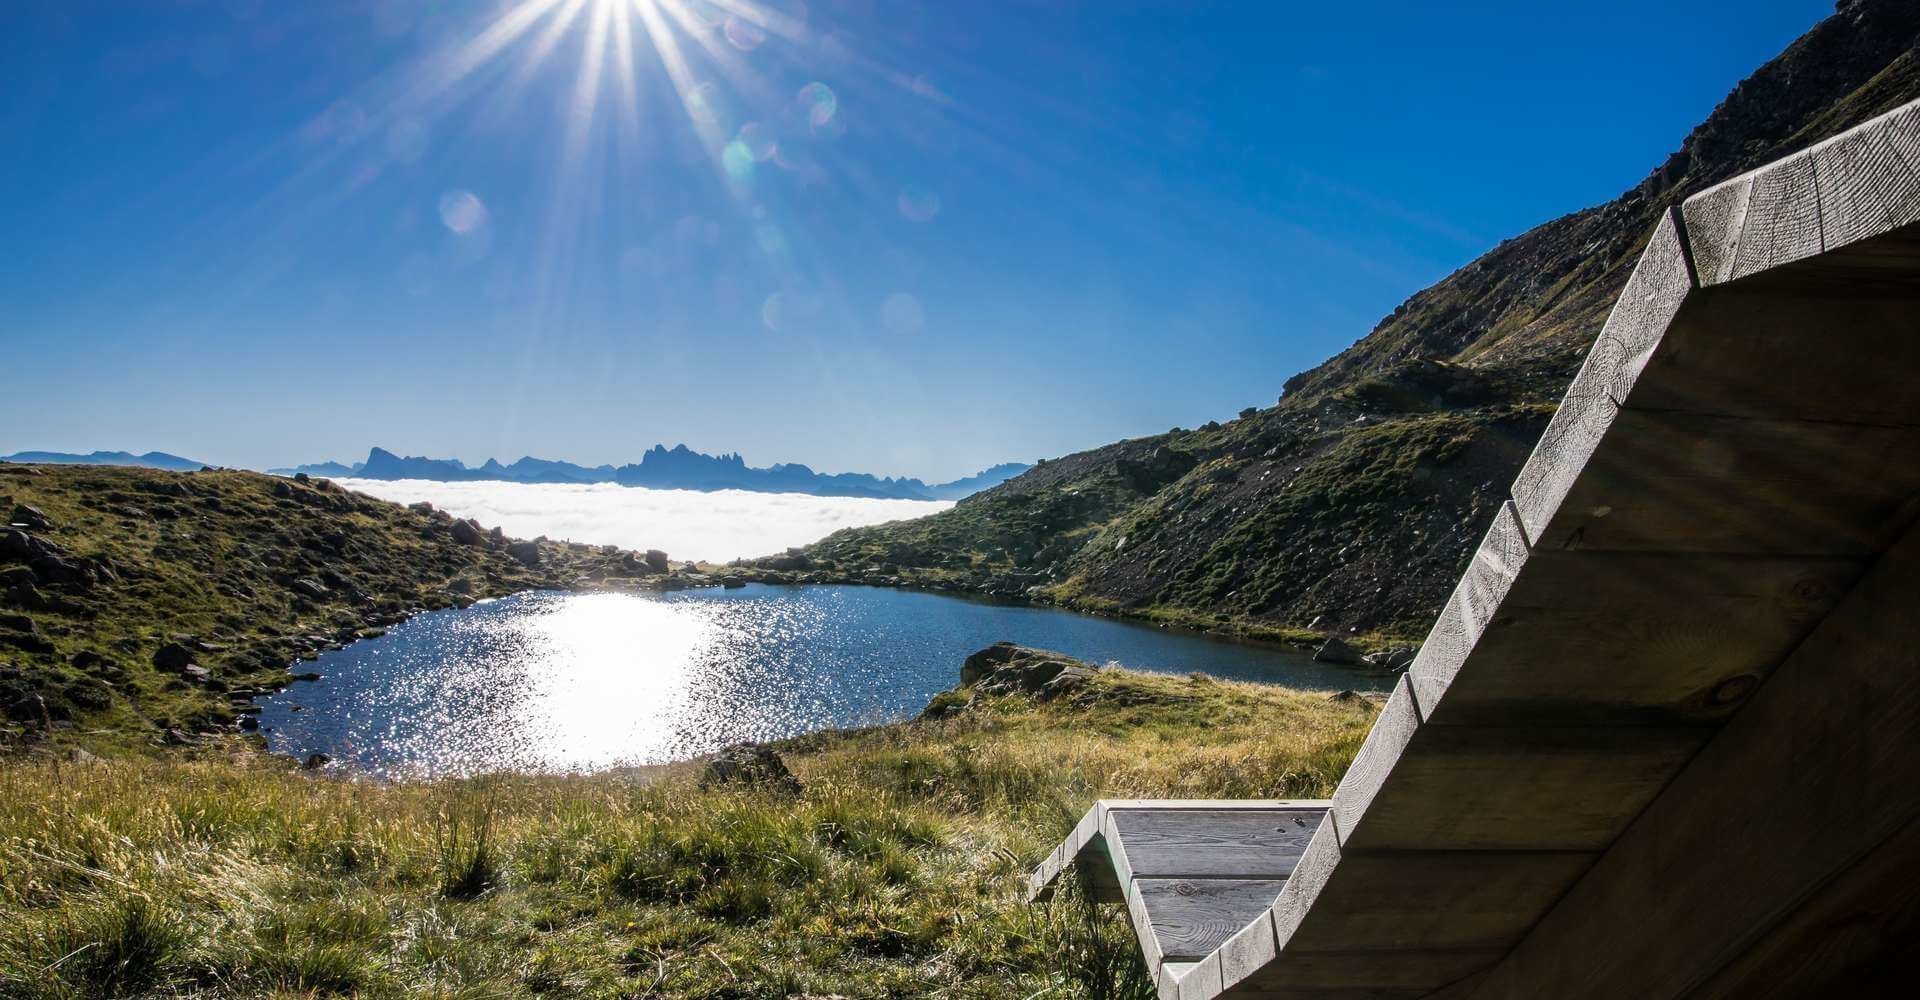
(713, 527)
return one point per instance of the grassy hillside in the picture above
(1354, 502)
(897, 872)
(236, 574)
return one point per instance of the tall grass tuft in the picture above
(468, 865)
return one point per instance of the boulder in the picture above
(1004, 668)
(30, 518)
(732, 582)
(316, 761)
(984, 662)
(751, 765)
(1338, 651)
(173, 657)
(528, 553)
(467, 532)
(421, 507)
(656, 560)
(307, 586)
(1389, 659)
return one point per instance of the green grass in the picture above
(215, 556)
(897, 872)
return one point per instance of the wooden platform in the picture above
(1664, 738)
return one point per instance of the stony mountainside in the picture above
(1354, 502)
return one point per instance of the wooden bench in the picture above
(1664, 738)
(1191, 871)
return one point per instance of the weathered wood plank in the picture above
(1249, 949)
(1229, 843)
(1654, 295)
(1869, 184)
(1471, 788)
(1714, 219)
(1470, 607)
(1393, 729)
(1729, 351)
(1192, 917)
(1688, 483)
(1428, 901)
(1783, 217)
(1612, 638)
(1725, 852)
(1422, 900)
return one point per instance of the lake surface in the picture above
(567, 681)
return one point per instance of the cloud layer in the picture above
(688, 525)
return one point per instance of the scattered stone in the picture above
(528, 553)
(422, 507)
(1338, 651)
(30, 518)
(196, 673)
(315, 761)
(307, 586)
(467, 532)
(79, 756)
(732, 582)
(750, 764)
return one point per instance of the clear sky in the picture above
(891, 237)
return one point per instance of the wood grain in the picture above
(1783, 217)
(1629, 639)
(1676, 482)
(1851, 350)
(1714, 219)
(1727, 851)
(1192, 917)
(1469, 609)
(1869, 181)
(1217, 843)
(1655, 293)
(1470, 788)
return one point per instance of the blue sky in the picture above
(891, 237)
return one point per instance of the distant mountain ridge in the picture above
(150, 460)
(676, 468)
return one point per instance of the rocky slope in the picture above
(148, 605)
(1354, 502)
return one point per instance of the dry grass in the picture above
(896, 873)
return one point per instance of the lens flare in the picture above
(743, 34)
(918, 204)
(819, 103)
(462, 212)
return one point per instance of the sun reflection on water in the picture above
(578, 682)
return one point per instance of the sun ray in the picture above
(627, 82)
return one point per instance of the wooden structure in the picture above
(1664, 739)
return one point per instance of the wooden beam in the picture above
(1655, 293)
(1868, 182)
(1812, 776)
